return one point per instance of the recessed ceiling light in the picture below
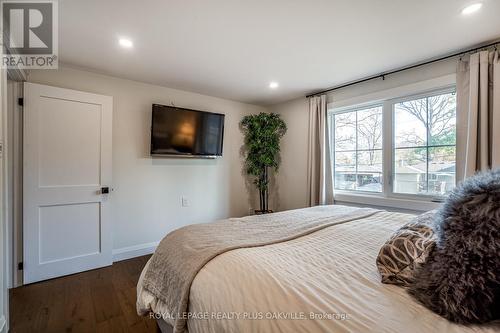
(472, 8)
(274, 85)
(127, 43)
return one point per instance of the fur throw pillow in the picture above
(461, 277)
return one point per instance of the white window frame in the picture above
(332, 147)
(388, 98)
(427, 197)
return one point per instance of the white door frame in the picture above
(14, 158)
(4, 228)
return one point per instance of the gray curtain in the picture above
(478, 113)
(319, 169)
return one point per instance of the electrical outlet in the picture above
(184, 201)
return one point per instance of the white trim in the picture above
(381, 96)
(387, 144)
(358, 107)
(15, 222)
(4, 206)
(377, 200)
(130, 252)
(3, 326)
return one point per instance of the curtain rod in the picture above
(384, 74)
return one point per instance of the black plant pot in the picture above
(262, 212)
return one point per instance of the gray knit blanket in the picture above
(183, 252)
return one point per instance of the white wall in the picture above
(147, 197)
(292, 178)
(4, 271)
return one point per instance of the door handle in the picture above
(105, 190)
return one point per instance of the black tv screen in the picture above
(185, 132)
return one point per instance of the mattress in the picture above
(326, 281)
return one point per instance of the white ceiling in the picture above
(233, 49)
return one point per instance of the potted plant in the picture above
(263, 133)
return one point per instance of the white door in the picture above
(66, 170)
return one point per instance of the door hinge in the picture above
(20, 266)
(20, 101)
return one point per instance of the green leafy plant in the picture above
(263, 133)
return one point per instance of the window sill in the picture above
(379, 200)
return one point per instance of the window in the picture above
(424, 145)
(358, 149)
(399, 147)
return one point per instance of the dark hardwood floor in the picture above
(102, 300)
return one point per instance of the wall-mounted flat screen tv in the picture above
(186, 133)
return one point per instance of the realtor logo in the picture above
(30, 34)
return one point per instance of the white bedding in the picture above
(330, 274)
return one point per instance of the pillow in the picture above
(461, 278)
(406, 250)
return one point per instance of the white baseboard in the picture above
(3, 322)
(130, 252)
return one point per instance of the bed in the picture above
(323, 281)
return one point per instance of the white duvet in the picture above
(323, 282)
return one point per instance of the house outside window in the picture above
(403, 147)
(358, 149)
(424, 144)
